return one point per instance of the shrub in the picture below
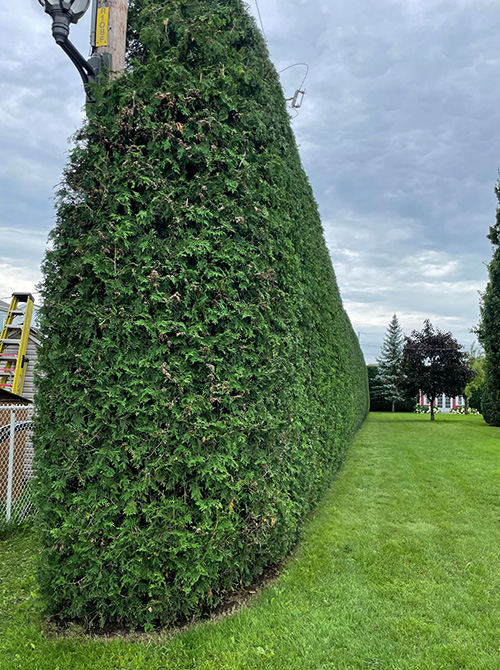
(461, 410)
(475, 399)
(425, 409)
(199, 379)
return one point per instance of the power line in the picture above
(295, 65)
(298, 97)
(260, 18)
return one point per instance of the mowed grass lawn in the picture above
(399, 568)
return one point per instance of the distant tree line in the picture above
(429, 362)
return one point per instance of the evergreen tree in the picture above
(199, 378)
(489, 329)
(388, 382)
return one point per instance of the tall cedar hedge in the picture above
(489, 329)
(199, 377)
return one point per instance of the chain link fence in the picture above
(16, 463)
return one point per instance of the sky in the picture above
(398, 134)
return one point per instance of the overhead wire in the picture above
(295, 65)
(294, 100)
(260, 18)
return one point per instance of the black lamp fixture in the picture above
(63, 13)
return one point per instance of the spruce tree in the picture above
(388, 382)
(199, 378)
(489, 329)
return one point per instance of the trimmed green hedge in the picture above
(199, 378)
(489, 330)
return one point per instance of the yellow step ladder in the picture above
(14, 343)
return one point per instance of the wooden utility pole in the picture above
(109, 31)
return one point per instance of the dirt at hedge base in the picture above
(231, 604)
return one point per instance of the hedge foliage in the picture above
(199, 378)
(489, 329)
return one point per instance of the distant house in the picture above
(443, 402)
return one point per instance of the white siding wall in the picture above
(28, 389)
(3, 313)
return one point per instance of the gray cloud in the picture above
(398, 134)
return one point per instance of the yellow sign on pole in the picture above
(102, 26)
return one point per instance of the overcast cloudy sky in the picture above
(398, 133)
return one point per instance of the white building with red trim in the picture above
(443, 402)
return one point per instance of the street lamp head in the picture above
(64, 12)
(73, 9)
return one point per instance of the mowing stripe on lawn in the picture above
(398, 569)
